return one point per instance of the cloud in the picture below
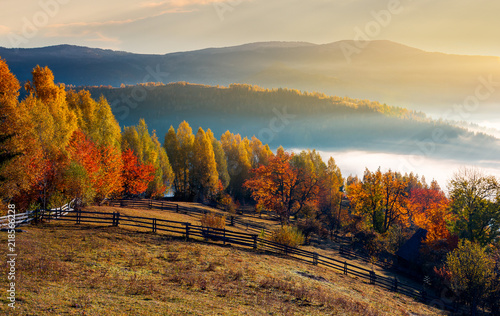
(102, 38)
(101, 24)
(183, 3)
(4, 30)
(98, 31)
(81, 29)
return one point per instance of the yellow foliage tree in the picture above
(205, 178)
(149, 151)
(179, 148)
(220, 159)
(238, 162)
(381, 198)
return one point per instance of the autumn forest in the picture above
(58, 144)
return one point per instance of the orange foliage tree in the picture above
(111, 180)
(136, 176)
(102, 167)
(84, 152)
(279, 187)
(21, 157)
(430, 210)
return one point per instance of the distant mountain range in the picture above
(384, 71)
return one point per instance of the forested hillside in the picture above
(295, 119)
(383, 70)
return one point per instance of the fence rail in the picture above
(175, 207)
(20, 219)
(189, 231)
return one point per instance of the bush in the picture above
(213, 221)
(57, 200)
(367, 239)
(227, 204)
(287, 235)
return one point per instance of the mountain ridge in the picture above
(385, 71)
(258, 44)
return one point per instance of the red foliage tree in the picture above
(280, 187)
(84, 152)
(136, 176)
(430, 211)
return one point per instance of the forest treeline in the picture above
(293, 119)
(58, 144)
(249, 99)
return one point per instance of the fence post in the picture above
(206, 232)
(345, 267)
(286, 250)
(150, 203)
(121, 203)
(395, 284)
(114, 219)
(341, 250)
(315, 259)
(224, 237)
(232, 220)
(373, 277)
(162, 205)
(187, 231)
(177, 208)
(117, 219)
(154, 225)
(254, 242)
(78, 216)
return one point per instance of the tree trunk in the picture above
(473, 307)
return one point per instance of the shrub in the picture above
(213, 221)
(227, 204)
(370, 241)
(287, 235)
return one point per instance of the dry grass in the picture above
(82, 270)
(195, 219)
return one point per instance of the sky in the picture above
(159, 26)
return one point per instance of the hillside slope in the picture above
(383, 70)
(297, 120)
(68, 269)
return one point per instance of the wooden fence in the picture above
(175, 207)
(188, 231)
(21, 219)
(232, 220)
